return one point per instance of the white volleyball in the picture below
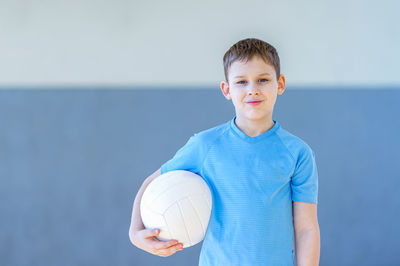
(179, 204)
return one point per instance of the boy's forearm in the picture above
(308, 247)
(136, 219)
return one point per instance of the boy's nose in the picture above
(251, 92)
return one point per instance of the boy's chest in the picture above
(235, 171)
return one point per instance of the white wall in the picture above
(181, 43)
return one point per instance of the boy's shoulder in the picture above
(294, 143)
(201, 142)
(211, 134)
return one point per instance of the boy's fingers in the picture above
(174, 248)
(169, 251)
(165, 244)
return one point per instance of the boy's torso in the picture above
(251, 181)
(251, 219)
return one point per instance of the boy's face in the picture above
(254, 80)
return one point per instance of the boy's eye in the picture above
(242, 81)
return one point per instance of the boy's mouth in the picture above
(254, 102)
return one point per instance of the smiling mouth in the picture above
(254, 103)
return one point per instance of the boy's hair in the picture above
(245, 49)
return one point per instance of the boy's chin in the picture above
(255, 117)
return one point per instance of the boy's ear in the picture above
(281, 84)
(225, 90)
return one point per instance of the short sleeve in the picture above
(187, 158)
(304, 183)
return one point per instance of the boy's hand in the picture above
(145, 239)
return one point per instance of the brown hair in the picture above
(245, 49)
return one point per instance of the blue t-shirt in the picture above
(253, 181)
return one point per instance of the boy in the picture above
(263, 179)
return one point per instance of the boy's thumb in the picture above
(151, 232)
(154, 232)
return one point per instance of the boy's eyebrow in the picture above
(263, 74)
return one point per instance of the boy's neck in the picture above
(254, 128)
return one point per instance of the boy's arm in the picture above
(143, 238)
(307, 236)
(136, 219)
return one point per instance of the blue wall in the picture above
(72, 161)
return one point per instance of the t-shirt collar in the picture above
(246, 137)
